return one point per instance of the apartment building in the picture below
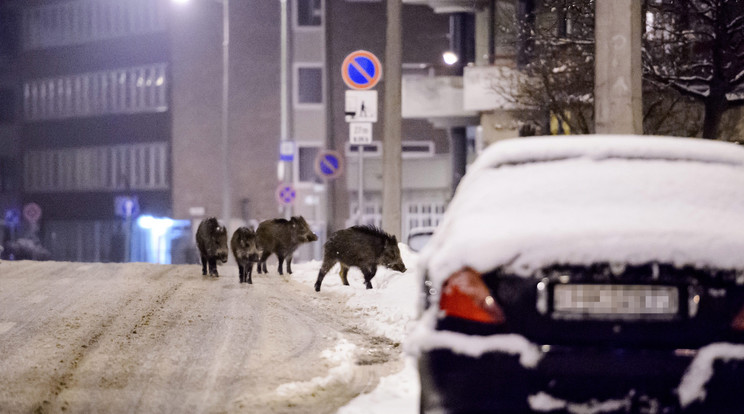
(112, 107)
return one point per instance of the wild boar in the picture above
(211, 239)
(365, 247)
(282, 237)
(246, 252)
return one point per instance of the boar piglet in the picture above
(282, 237)
(211, 239)
(365, 247)
(245, 249)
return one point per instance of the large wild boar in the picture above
(211, 239)
(364, 247)
(282, 237)
(246, 252)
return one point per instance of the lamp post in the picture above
(225, 137)
(226, 191)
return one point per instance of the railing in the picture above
(83, 21)
(104, 168)
(118, 91)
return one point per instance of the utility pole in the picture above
(391, 140)
(617, 71)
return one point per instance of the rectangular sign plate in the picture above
(360, 106)
(360, 132)
(604, 301)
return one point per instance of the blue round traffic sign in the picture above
(285, 194)
(329, 164)
(361, 70)
(12, 217)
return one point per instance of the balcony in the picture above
(451, 6)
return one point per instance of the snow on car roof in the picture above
(532, 202)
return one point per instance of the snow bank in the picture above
(397, 393)
(343, 372)
(389, 308)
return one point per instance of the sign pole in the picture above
(361, 183)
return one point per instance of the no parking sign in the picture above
(361, 70)
(329, 164)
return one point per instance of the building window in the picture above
(8, 175)
(305, 165)
(418, 214)
(105, 168)
(7, 106)
(417, 149)
(409, 149)
(118, 91)
(373, 149)
(309, 85)
(309, 13)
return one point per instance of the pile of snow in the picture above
(389, 309)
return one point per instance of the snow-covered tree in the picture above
(693, 63)
(697, 48)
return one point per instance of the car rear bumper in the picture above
(571, 379)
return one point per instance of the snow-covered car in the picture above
(587, 274)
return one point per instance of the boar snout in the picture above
(399, 267)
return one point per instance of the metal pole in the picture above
(360, 188)
(284, 167)
(226, 199)
(392, 181)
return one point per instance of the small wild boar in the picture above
(246, 252)
(364, 247)
(211, 239)
(282, 237)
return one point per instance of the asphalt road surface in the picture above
(92, 337)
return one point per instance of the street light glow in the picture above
(180, 1)
(450, 57)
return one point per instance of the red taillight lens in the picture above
(738, 323)
(464, 295)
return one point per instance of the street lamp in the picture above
(225, 138)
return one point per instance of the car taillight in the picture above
(738, 322)
(464, 295)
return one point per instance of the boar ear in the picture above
(395, 241)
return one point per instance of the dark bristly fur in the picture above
(211, 239)
(282, 237)
(365, 247)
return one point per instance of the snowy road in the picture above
(84, 337)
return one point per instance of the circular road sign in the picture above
(285, 194)
(32, 212)
(329, 164)
(12, 217)
(361, 70)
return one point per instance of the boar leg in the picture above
(324, 268)
(241, 273)
(289, 264)
(248, 270)
(344, 273)
(369, 273)
(281, 261)
(204, 265)
(262, 263)
(213, 267)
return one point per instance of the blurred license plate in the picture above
(614, 301)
